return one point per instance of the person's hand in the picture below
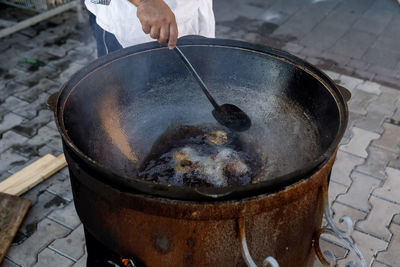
(158, 20)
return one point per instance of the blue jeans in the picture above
(105, 41)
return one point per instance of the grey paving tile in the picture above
(379, 218)
(275, 16)
(4, 176)
(395, 163)
(39, 91)
(66, 216)
(61, 51)
(327, 244)
(20, 107)
(390, 139)
(396, 116)
(290, 31)
(48, 257)
(375, 263)
(82, 261)
(26, 253)
(369, 87)
(289, 7)
(339, 210)
(319, 38)
(62, 187)
(27, 150)
(380, 109)
(393, 29)
(34, 78)
(368, 246)
(381, 8)
(340, 17)
(343, 167)
(43, 150)
(382, 57)
(52, 125)
(355, 7)
(353, 118)
(308, 52)
(390, 190)
(7, 263)
(19, 167)
(44, 203)
(360, 101)
(389, 43)
(372, 122)
(387, 102)
(9, 88)
(9, 139)
(359, 192)
(79, 59)
(359, 142)
(331, 74)
(391, 255)
(30, 128)
(66, 74)
(72, 245)
(376, 162)
(336, 59)
(374, 25)
(349, 82)
(46, 136)
(396, 219)
(390, 81)
(10, 159)
(335, 190)
(354, 43)
(358, 64)
(9, 121)
(365, 74)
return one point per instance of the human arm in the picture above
(158, 20)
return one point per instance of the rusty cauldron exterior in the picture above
(157, 224)
(165, 232)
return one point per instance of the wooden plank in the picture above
(12, 212)
(33, 174)
(38, 18)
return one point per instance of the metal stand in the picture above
(344, 236)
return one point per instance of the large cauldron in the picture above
(111, 113)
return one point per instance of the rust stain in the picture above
(164, 232)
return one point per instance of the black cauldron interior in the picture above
(113, 111)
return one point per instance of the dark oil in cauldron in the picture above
(185, 156)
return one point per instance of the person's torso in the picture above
(119, 18)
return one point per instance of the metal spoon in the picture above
(228, 115)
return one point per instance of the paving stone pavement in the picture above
(360, 53)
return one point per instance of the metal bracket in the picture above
(269, 261)
(344, 236)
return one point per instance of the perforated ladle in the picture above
(228, 115)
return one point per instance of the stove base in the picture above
(98, 254)
(101, 256)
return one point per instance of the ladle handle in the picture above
(196, 76)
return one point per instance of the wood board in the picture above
(13, 208)
(12, 212)
(28, 177)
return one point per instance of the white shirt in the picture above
(119, 18)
